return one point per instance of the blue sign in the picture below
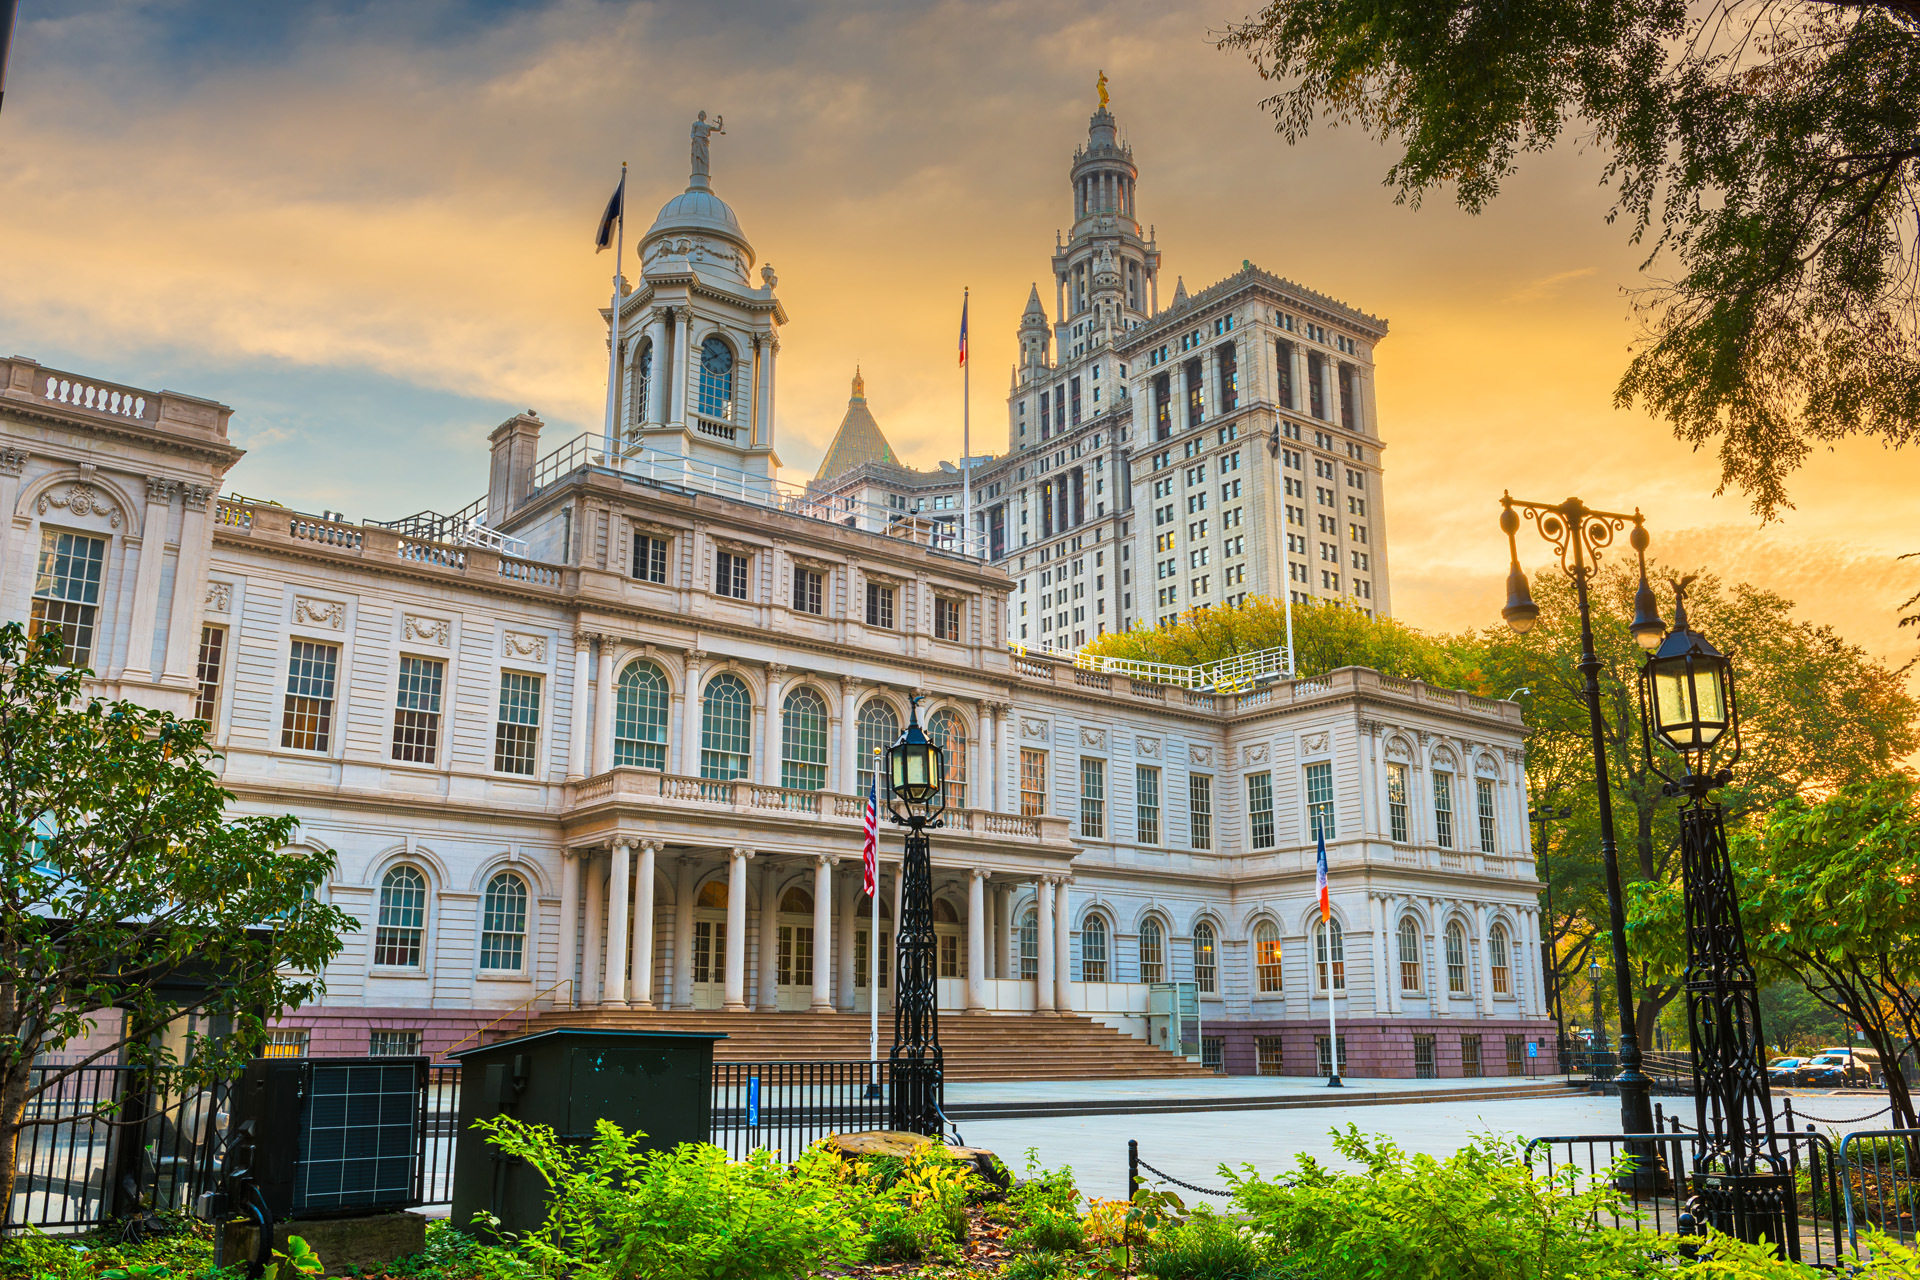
(753, 1102)
(1533, 1048)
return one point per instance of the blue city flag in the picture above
(616, 211)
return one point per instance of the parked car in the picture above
(1781, 1070)
(1832, 1070)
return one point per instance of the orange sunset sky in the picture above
(368, 228)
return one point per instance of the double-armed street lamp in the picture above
(1580, 534)
(916, 772)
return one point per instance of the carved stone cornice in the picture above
(13, 461)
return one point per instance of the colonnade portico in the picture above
(610, 901)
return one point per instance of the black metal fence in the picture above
(1880, 1182)
(788, 1106)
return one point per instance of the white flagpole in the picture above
(873, 935)
(1333, 1033)
(966, 439)
(613, 325)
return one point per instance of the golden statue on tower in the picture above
(1101, 85)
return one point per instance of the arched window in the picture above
(803, 741)
(640, 717)
(726, 728)
(1409, 954)
(1497, 960)
(716, 378)
(1030, 944)
(1205, 970)
(503, 924)
(879, 726)
(642, 383)
(1093, 949)
(403, 918)
(1153, 951)
(797, 902)
(713, 895)
(1330, 954)
(1456, 960)
(949, 733)
(1266, 955)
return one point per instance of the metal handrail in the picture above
(564, 982)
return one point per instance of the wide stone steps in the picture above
(977, 1047)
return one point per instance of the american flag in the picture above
(1320, 881)
(870, 852)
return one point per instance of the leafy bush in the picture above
(1048, 1230)
(185, 1253)
(616, 1212)
(1043, 1188)
(1205, 1247)
(1035, 1266)
(1479, 1214)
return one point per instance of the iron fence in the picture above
(788, 1106)
(1880, 1182)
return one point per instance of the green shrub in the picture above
(1479, 1214)
(616, 1212)
(1048, 1230)
(1043, 1188)
(1035, 1266)
(1205, 1247)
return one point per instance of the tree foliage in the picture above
(1326, 637)
(1770, 150)
(135, 917)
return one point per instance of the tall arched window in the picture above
(640, 717)
(1153, 951)
(1093, 949)
(503, 924)
(1497, 960)
(642, 383)
(1030, 944)
(1330, 956)
(716, 378)
(878, 727)
(1409, 954)
(803, 741)
(949, 733)
(726, 728)
(403, 918)
(1266, 955)
(1456, 960)
(1205, 968)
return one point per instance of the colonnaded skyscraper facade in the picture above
(1159, 459)
(595, 746)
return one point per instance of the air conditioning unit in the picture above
(333, 1135)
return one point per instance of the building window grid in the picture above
(803, 742)
(1325, 1056)
(516, 738)
(1443, 809)
(311, 673)
(1147, 803)
(206, 698)
(726, 729)
(384, 1043)
(1470, 1057)
(402, 922)
(948, 731)
(1153, 951)
(650, 559)
(730, 574)
(1397, 803)
(946, 619)
(1456, 960)
(1030, 945)
(1424, 1067)
(1213, 1054)
(1260, 810)
(1483, 797)
(640, 718)
(1093, 949)
(1206, 969)
(1516, 1055)
(879, 606)
(1093, 798)
(503, 924)
(1409, 943)
(1497, 960)
(1267, 957)
(66, 593)
(1033, 783)
(1200, 810)
(1320, 824)
(416, 710)
(1269, 1057)
(878, 727)
(1330, 949)
(806, 590)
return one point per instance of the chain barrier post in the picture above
(1133, 1168)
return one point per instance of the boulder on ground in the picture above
(894, 1142)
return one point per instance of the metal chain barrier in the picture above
(1801, 1115)
(1205, 1191)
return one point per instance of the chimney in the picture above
(516, 447)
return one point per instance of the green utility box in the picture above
(657, 1082)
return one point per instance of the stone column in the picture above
(640, 991)
(736, 977)
(848, 782)
(618, 887)
(592, 953)
(189, 587)
(603, 709)
(822, 934)
(977, 941)
(1043, 975)
(690, 717)
(656, 374)
(766, 988)
(1062, 951)
(1010, 766)
(770, 762)
(977, 767)
(1397, 996)
(569, 926)
(682, 997)
(146, 581)
(990, 757)
(986, 925)
(1483, 925)
(1439, 998)
(1006, 965)
(577, 762)
(682, 369)
(1382, 990)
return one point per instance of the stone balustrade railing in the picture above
(102, 399)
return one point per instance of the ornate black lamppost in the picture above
(1544, 815)
(1579, 534)
(1599, 1016)
(918, 796)
(1742, 1184)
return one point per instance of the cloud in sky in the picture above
(368, 228)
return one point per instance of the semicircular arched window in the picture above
(1153, 951)
(503, 924)
(403, 918)
(949, 733)
(640, 717)
(716, 378)
(1205, 958)
(1497, 960)
(803, 741)
(1093, 949)
(1409, 954)
(878, 727)
(1456, 960)
(1266, 955)
(726, 728)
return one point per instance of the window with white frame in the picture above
(1033, 783)
(402, 923)
(1497, 960)
(807, 593)
(1409, 943)
(1030, 945)
(416, 710)
(312, 669)
(949, 732)
(640, 717)
(1456, 960)
(1266, 956)
(1443, 809)
(1153, 951)
(1329, 956)
(730, 574)
(1260, 810)
(878, 727)
(726, 728)
(946, 619)
(516, 737)
(1397, 802)
(1093, 949)
(650, 559)
(1146, 803)
(1093, 798)
(1200, 810)
(1205, 958)
(1483, 798)
(1320, 801)
(879, 605)
(803, 741)
(206, 698)
(503, 924)
(66, 593)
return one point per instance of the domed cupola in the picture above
(696, 229)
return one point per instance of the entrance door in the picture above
(710, 946)
(794, 977)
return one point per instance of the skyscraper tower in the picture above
(1106, 274)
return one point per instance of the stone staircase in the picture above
(976, 1047)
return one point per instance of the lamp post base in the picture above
(1333, 1082)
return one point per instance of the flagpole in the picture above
(966, 435)
(613, 324)
(873, 937)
